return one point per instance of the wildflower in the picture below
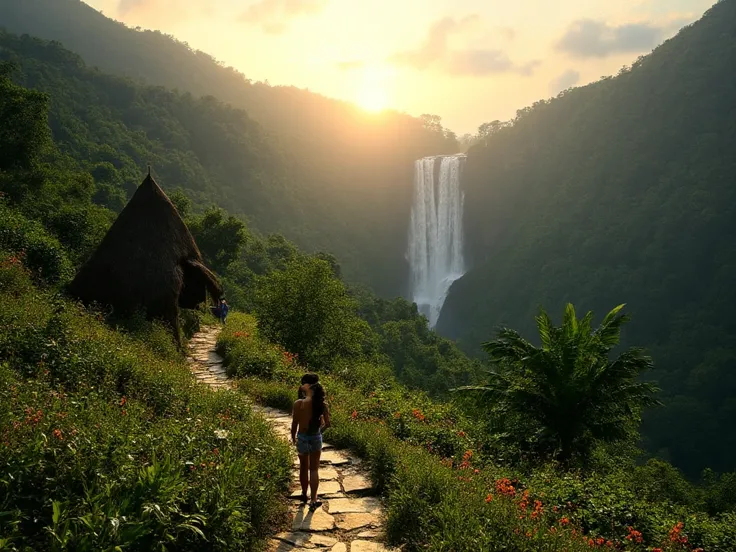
(675, 535)
(57, 433)
(564, 521)
(354, 415)
(656, 550)
(222, 433)
(634, 536)
(461, 434)
(397, 415)
(216, 451)
(124, 412)
(418, 414)
(538, 509)
(489, 498)
(123, 401)
(504, 487)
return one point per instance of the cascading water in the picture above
(436, 232)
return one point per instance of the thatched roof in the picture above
(148, 260)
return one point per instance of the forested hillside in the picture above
(623, 191)
(107, 442)
(355, 168)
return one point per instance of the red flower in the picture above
(489, 498)
(504, 487)
(564, 521)
(57, 433)
(634, 536)
(354, 414)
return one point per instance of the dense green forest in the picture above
(107, 442)
(623, 191)
(349, 172)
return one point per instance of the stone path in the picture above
(351, 518)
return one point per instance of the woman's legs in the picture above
(314, 473)
(304, 474)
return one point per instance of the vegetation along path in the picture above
(350, 520)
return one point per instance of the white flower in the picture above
(221, 433)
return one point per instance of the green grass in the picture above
(107, 442)
(429, 462)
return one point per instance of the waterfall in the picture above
(435, 251)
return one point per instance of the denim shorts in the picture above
(307, 444)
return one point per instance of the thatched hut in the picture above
(148, 260)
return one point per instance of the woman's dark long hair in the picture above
(318, 406)
(307, 378)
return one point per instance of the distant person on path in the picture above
(223, 309)
(310, 417)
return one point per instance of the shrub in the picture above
(108, 444)
(42, 253)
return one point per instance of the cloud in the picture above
(350, 65)
(507, 33)
(588, 38)
(125, 6)
(564, 81)
(436, 52)
(273, 15)
(158, 10)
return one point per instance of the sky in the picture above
(468, 61)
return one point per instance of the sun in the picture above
(371, 92)
(372, 98)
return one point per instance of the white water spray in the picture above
(436, 233)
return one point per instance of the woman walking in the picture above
(310, 417)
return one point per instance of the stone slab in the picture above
(326, 473)
(334, 457)
(339, 547)
(294, 539)
(316, 521)
(370, 534)
(356, 484)
(367, 546)
(325, 487)
(353, 505)
(350, 522)
(318, 539)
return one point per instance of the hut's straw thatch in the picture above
(148, 260)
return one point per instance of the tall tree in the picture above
(307, 309)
